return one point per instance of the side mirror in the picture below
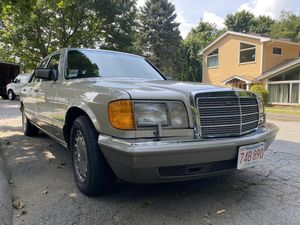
(169, 78)
(46, 74)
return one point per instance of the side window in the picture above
(213, 58)
(277, 51)
(54, 62)
(247, 53)
(43, 64)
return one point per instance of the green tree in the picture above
(262, 25)
(27, 36)
(119, 23)
(159, 36)
(260, 89)
(198, 38)
(240, 21)
(288, 26)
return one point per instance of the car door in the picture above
(18, 85)
(44, 98)
(28, 94)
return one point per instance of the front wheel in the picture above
(92, 173)
(11, 95)
(28, 128)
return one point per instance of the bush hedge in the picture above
(260, 89)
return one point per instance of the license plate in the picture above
(250, 155)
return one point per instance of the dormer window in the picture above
(277, 51)
(213, 58)
(247, 53)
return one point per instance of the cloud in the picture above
(184, 26)
(270, 8)
(213, 18)
(140, 2)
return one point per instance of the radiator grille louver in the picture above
(227, 115)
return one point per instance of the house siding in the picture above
(289, 51)
(229, 60)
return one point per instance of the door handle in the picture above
(36, 90)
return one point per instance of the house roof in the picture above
(246, 79)
(254, 36)
(9, 63)
(282, 67)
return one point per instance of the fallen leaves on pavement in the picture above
(221, 211)
(18, 205)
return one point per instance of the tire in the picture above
(28, 128)
(92, 173)
(11, 95)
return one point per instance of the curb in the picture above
(6, 209)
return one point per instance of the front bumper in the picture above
(142, 161)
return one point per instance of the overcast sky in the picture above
(189, 12)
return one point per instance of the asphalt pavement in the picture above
(44, 191)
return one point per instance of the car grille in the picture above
(197, 169)
(227, 113)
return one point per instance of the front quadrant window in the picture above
(213, 58)
(247, 52)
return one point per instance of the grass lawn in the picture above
(283, 110)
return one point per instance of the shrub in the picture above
(260, 89)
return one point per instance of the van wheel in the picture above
(28, 128)
(92, 173)
(11, 95)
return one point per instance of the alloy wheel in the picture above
(80, 156)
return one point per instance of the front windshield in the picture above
(89, 63)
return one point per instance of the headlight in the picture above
(168, 114)
(150, 114)
(129, 115)
(261, 111)
(178, 115)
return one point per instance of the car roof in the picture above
(90, 49)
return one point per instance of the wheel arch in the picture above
(71, 115)
(10, 89)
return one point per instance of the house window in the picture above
(284, 88)
(279, 93)
(213, 58)
(247, 53)
(277, 51)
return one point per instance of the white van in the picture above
(13, 89)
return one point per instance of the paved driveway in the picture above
(42, 179)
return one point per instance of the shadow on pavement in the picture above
(267, 193)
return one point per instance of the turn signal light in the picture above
(121, 115)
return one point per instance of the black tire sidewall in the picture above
(29, 130)
(95, 160)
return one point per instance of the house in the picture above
(241, 60)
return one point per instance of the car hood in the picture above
(152, 89)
